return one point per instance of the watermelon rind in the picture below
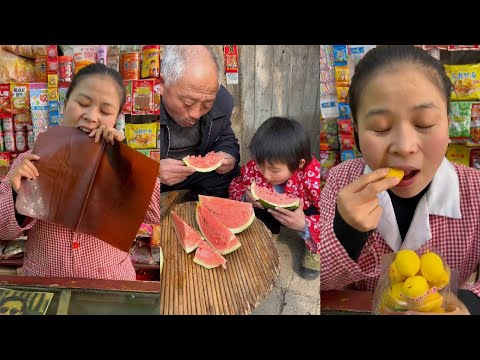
(198, 259)
(269, 205)
(225, 251)
(209, 201)
(201, 169)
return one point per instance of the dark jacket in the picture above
(215, 129)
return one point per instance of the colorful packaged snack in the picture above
(465, 81)
(460, 116)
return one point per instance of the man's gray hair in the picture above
(175, 58)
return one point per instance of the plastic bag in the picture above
(16, 69)
(411, 281)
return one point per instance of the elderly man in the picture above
(195, 119)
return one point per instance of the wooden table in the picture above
(346, 302)
(188, 288)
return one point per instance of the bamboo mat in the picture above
(188, 288)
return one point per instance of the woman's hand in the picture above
(24, 169)
(358, 204)
(108, 133)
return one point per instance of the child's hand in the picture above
(25, 169)
(109, 133)
(249, 198)
(294, 220)
(227, 164)
(358, 204)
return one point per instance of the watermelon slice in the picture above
(189, 238)
(214, 232)
(206, 163)
(208, 257)
(270, 199)
(235, 215)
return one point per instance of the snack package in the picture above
(465, 81)
(340, 55)
(16, 69)
(413, 281)
(141, 136)
(341, 76)
(458, 153)
(460, 116)
(328, 159)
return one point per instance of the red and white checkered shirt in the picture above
(54, 250)
(457, 240)
(304, 183)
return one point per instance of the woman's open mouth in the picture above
(408, 177)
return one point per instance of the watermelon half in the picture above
(214, 232)
(189, 238)
(270, 199)
(206, 163)
(235, 215)
(208, 257)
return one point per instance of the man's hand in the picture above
(294, 220)
(174, 171)
(25, 169)
(227, 164)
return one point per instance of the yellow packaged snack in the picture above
(465, 81)
(141, 136)
(458, 153)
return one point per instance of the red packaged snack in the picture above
(156, 97)
(127, 108)
(142, 97)
(5, 108)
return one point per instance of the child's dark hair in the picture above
(281, 140)
(98, 69)
(385, 57)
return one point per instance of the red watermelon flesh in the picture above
(214, 232)
(208, 257)
(235, 215)
(189, 238)
(206, 163)
(270, 199)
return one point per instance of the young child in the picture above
(283, 162)
(399, 99)
(92, 103)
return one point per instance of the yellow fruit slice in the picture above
(393, 172)
(408, 262)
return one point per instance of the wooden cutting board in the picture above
(188, 288)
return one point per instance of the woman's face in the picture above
(403, 122)
(95, 101)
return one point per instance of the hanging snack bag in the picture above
(465, 81)
(460, 116)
